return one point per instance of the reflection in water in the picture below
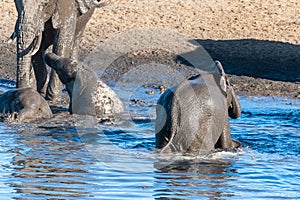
(118, 162)
(44, 164)
(205, 178)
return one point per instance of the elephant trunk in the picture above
(234, 109)
(24, 71)
(52, 59)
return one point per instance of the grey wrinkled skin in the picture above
(88, 95)
(26, 104)
(192, 117)
(40, 24)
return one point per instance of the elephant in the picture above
(42, 23)
(24, 105)
(192, 117)
(88, 95)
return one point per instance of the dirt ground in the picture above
(258, 42)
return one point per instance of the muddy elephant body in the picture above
(42, 23)
(88, 95)
(192, 117)
(25, 104)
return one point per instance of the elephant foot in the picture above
(54, 90)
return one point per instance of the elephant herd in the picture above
(191, 117)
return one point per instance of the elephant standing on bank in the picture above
(192, 117)
(40, 24)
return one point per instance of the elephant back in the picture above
(189, 117)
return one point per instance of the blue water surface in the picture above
(118, 161)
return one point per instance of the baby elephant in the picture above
(192, 117)
(88, 95)
(24, 105)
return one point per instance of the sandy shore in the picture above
(257, 42)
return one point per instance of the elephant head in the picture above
(193, 115)
(24, 105)
(78, 86)
(66, 69)
(88, 95)
(234, 107)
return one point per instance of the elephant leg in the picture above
(38, 61)
(74, 52)
(80, 27)
(63, 44)
(225, 141)
(40, 72)
(54, 88)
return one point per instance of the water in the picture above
(119, 161)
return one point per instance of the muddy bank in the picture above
(257, 42)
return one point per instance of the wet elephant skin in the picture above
(192, 117)
(40, 24)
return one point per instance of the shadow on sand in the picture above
(257, 58)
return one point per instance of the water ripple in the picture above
(119, 162)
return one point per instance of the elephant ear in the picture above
(82, 95)
(223, 79)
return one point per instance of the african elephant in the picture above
(192, 117)
(27, 103)
(40, 24)
(88, 95)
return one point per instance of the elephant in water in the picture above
(192, 117)
(40, 24)
(88, 95)
(24, 105)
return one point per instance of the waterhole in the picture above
(105, 161)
